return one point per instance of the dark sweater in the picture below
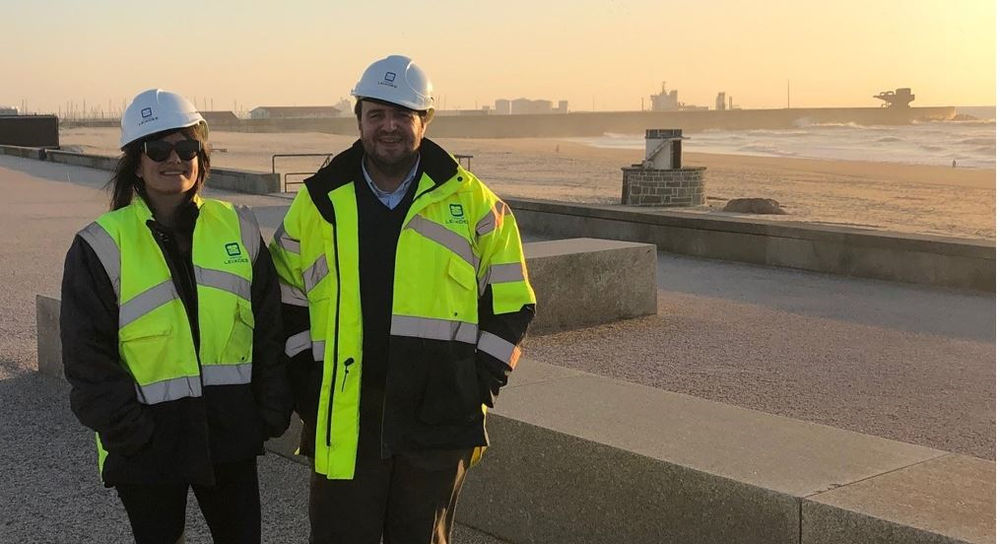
(378, 235)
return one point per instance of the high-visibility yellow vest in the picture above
(455, 240)
(155, 340)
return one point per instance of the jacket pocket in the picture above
(451, 396)
(239, 346)
(145, 344)
(462, 273)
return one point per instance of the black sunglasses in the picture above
(159, 150)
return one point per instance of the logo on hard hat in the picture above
(388, 80)
(146, 112)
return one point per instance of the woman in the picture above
(171, 334)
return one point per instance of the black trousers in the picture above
(231, 507)
(409, 498)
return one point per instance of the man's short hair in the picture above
(357, 107)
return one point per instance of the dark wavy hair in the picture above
(124, 184)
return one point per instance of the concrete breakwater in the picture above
(221, 178)
(581, 124)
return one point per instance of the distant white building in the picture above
(526, 106)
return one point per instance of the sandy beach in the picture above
(943, 201)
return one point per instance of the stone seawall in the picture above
(580, 124)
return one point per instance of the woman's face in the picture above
(173, 174)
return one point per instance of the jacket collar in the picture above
(345, 168)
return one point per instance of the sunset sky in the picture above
(603, 55)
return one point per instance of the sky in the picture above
(598, 55)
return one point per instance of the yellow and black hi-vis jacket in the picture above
(171, 353)
(460, 305)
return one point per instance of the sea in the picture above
(970, 142)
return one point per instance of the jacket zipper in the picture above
(336, 331)
(185, 277)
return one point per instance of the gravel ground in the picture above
(903, 362)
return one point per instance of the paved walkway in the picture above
(909, 363)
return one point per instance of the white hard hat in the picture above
(398, 80)
(155, 111)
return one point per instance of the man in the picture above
(406, 297)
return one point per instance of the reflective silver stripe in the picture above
(499, 348)
(226, 374)
(286, 242)
(319, 349)
(500, 273)
(249, 231)
(493, 218)
(297, 343)
(434, 329)
(315, 273)
(442, 235)
(107, 251)
(168, 390)
(292, 295)
(225, 281)
(146, 302)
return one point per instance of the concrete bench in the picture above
(582, 458)
(582, 282)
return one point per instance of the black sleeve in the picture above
(305, 374)
(103, 395)
(512, 327)
(270, 378)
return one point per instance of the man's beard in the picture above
(395, 166)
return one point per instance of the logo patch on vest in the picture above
(235, 254)
(457, 214)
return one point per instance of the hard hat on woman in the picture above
(157, 110)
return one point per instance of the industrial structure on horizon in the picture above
(900, 98)
(667, 101)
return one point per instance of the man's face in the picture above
(390, 134)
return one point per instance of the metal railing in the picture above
(467, 159)
(284, 175)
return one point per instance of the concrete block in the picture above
(244, 181)
(36, 153)
(80, 159)
(922, 259)
(49, 342)
(949, 499)
(586, 281)
(287, 444)
(539, 486)
(220, 178)
(583, 458)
